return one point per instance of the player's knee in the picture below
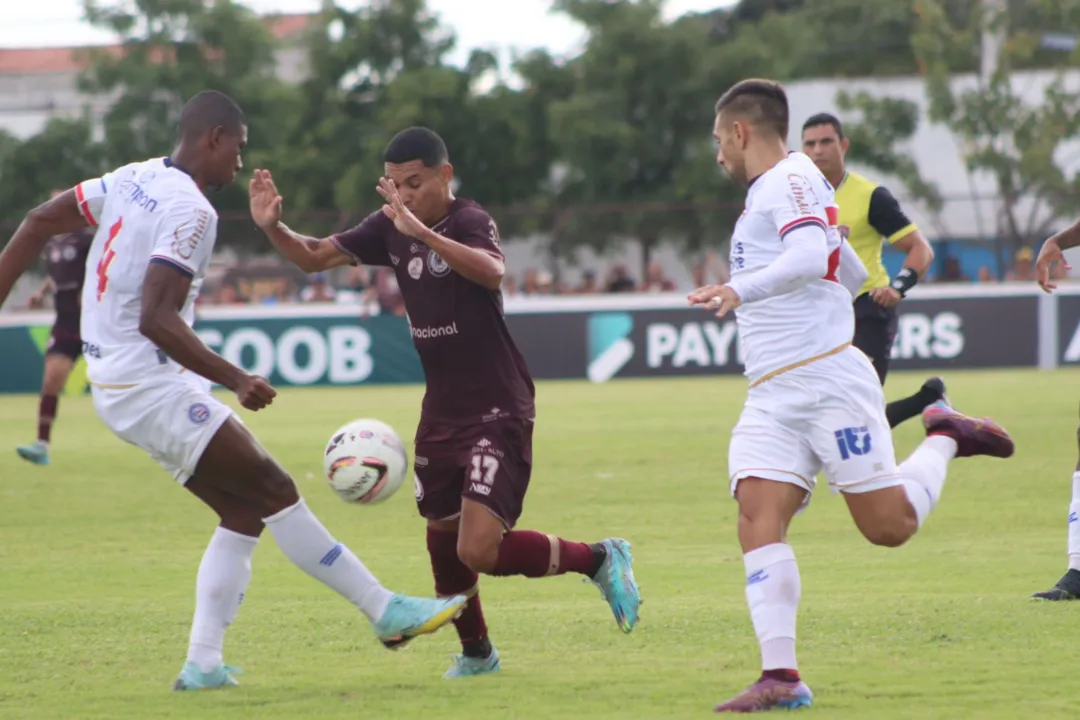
(277, 489)
(894, 533)
(246, 521)
(480, 557)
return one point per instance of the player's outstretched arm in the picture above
(1051, 254)
(307, 253)
(55, 217)
(165, 291)
(805, 258)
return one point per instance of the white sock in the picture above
(224, 574)
(1074, 525)
(313, 549)
(924, 473)
(772, 591)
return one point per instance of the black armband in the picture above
(904, 281)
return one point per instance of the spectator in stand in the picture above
(985, 276)
(656, 281)
(318, 290)
(509, 286)
(1023, 269)
(528, 283)
(588, 285)
(952, 272)
(227, 294)
(386, 293)
(710, 264)
(545, 283)
(619, 281)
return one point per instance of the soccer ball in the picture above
(365, 462)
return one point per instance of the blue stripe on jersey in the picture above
(801, 223)
(104, 187)
(179, 267)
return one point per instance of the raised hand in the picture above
(404, 220)
(265, 200)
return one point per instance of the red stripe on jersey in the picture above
(804, 221)
(84, 206)
(832, 214)
(833, 266)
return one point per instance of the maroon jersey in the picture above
(65, 260)
(474, 371)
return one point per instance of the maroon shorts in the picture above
(64, 339)
(489, 464)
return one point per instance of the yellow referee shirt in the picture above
(870, 213)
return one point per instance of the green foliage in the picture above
(58, 157)
(608, 146)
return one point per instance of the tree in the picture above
(632, 126)
(171, 50)
(60, 156)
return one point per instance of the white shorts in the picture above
(172, 417)
(826, 416)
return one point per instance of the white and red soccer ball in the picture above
(365, 462)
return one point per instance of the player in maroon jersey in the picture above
(65, 261)
(473, 454)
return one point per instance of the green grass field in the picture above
(99, 553)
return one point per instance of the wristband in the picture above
(904, 281)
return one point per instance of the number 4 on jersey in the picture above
(106, 260)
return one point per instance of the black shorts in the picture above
(64, 338)
(490, 463)
(875, 331)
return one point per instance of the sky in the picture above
(494, 24)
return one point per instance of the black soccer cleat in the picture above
(934, 388)
(1067, 588)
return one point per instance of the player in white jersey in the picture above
(815, 403)
(151, 379)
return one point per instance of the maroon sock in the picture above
(452, 577)
(533, 554)
(782, 675)
(46, 414)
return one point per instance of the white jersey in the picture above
(787, 329)
(148, 212)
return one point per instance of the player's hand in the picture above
(721, 297)
(404, 220)
(265, 200)
(885, 297)
(1049, 255)
(844, 230)
(254, 392)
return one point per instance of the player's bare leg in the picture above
(249, 490)
(902, 410)
(1068, 587)
(773, 587)
(57, 369)
(890, 516)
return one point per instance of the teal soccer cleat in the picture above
(407, 617)
(36, 453)
(615, 578)
(463, 666)
(192, 678)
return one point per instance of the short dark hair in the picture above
(825, 119)
(207, 110)
(762, 102)
(416, 143)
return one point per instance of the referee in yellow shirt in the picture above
(868, 213)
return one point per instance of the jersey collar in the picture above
(169, 163)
